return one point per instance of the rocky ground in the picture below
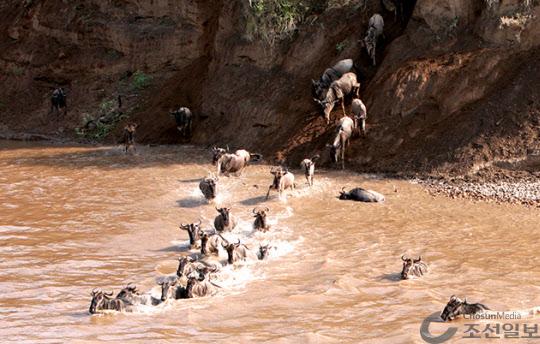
(494, 185)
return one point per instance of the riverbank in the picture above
(493, 185)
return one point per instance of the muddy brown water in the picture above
(76, 218)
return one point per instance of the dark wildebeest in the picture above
(308, 165)
(224, 221)
(456, 307)
(170, 289)
(337, 91)
(235, 163)
(264, 251)
(218, 152)
(361, 195)
(375, 30)
(184, 120)
(330, 75)
(58, 100)
(129, 136)
(283, 180)
(235, 251)
(103, 301)
(130, 295)
(199, 287)
(341, 140)
(260, 222)
(210, 243)
(208, 188)
(193, 231)
(360, 114)
(413, 267)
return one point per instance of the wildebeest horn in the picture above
(199, 222)
(453, 297)
(266, 209)
(109, 294)
(343, 190)
(183, 226)
(225, 240)
(238, 243)
(253, 211)
(419, 259)
(217, 209)
(403, 258)
(95, 291)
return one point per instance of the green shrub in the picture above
(140, 81)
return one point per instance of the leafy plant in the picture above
(140, 80)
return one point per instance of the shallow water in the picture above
(76, 218)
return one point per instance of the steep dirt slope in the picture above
(456, 88)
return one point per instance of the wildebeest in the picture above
(193, 231)
(264, 251)
(208, 188)
(413, 267)
(375, 30)
(361, 195)
(341, 140)
(337, 91)
(360, 115)
(235, 163)
(170, 289)
(217, 152)
(103, 301)
(184, 120)
(129, 136)
(210, 243)
(456, 307)
(236, 251)
(260, 222)
(198, 287)
(58, 100)
(330, 75)
(130, 295)
(224, 221)
(308, 165)
(283, 180)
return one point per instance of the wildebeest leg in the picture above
(343, 106)
(268, 193)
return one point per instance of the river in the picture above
(76, 218)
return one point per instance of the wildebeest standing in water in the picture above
(103, 301)
(283, 180)
(184, 121)
(129, 136)
(456, 307)
(58, 100)
(308, 165)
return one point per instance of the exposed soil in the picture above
(456, 92)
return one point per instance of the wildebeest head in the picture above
(344, 194)
(408, 266)
(166, 286)
(204, 240)
(217, 153)
(260, 218)
(98, 299)
(230, 249)
(278, 173)
(225, 215)
(263, 251)
(182, 262)
(193, 231)
(453, 308)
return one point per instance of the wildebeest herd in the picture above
(197, 273)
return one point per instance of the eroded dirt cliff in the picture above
(456, 89)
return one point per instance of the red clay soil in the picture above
(447, 98)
